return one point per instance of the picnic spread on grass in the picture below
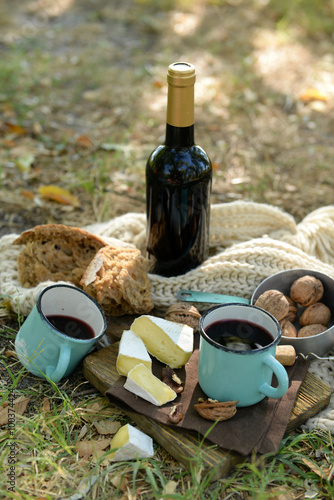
(249, 242)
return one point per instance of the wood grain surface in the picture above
(100, 370)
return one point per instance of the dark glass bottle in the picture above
(178, 185)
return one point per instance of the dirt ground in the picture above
(83, 103)
(83, 100)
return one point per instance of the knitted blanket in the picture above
(248, 242)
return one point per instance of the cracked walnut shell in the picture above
(176, 413)
(170, 378)
(215, 410)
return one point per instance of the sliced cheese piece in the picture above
(130, 443)
(143, 383)
(131, 352)
(171, 343)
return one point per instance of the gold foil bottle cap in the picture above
(181, 78)
(181, 74)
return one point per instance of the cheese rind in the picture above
(171, 343)
(130, 443)
(131, 352)
(143, 383)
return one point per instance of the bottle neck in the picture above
(180, 106)
(179, 137)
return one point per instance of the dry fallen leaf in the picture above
(170, 488)
(84, 141)
(12, 128)
(20, 404)
(17, 407)
(11, 354)
(97, 456)
(107, 426)
(83, 432)
(87, 448)
(314, 468)
(96, 410)
(313, 95)
(280, 494)
(120, 481)
(7, 305)
(8, 143)
(3, 415)
(61, 195)
(45, 407)
(27, 194)
(158, 83)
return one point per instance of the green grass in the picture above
(315, 17)
(48, 466)
(47, 463)
(299, 465)
(12, 80)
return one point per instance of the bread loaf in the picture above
(117, 278)
(55, 252)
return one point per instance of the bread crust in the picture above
(118, 279)
(116, 276)
(55, 252)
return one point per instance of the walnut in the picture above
(288, 329)
(293, 310)
(176, 413)
(315, 313)
(274, 302)
(184, 313)
(214, 410)
(170, 378)
(309, 330)
(306, 290)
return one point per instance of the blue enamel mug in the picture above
(237, 354)
(62, 328)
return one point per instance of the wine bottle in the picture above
(178, 185)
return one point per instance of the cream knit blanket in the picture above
(248, 242)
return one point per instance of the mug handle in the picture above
(282, 378)
(55, 374)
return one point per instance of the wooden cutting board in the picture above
(100, 370)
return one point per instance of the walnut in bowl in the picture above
(311, 302)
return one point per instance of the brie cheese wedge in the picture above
(131, 352)
(130, 443)
(171, 343)
(143, 383)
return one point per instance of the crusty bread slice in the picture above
(55, 252)
(117, 278)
